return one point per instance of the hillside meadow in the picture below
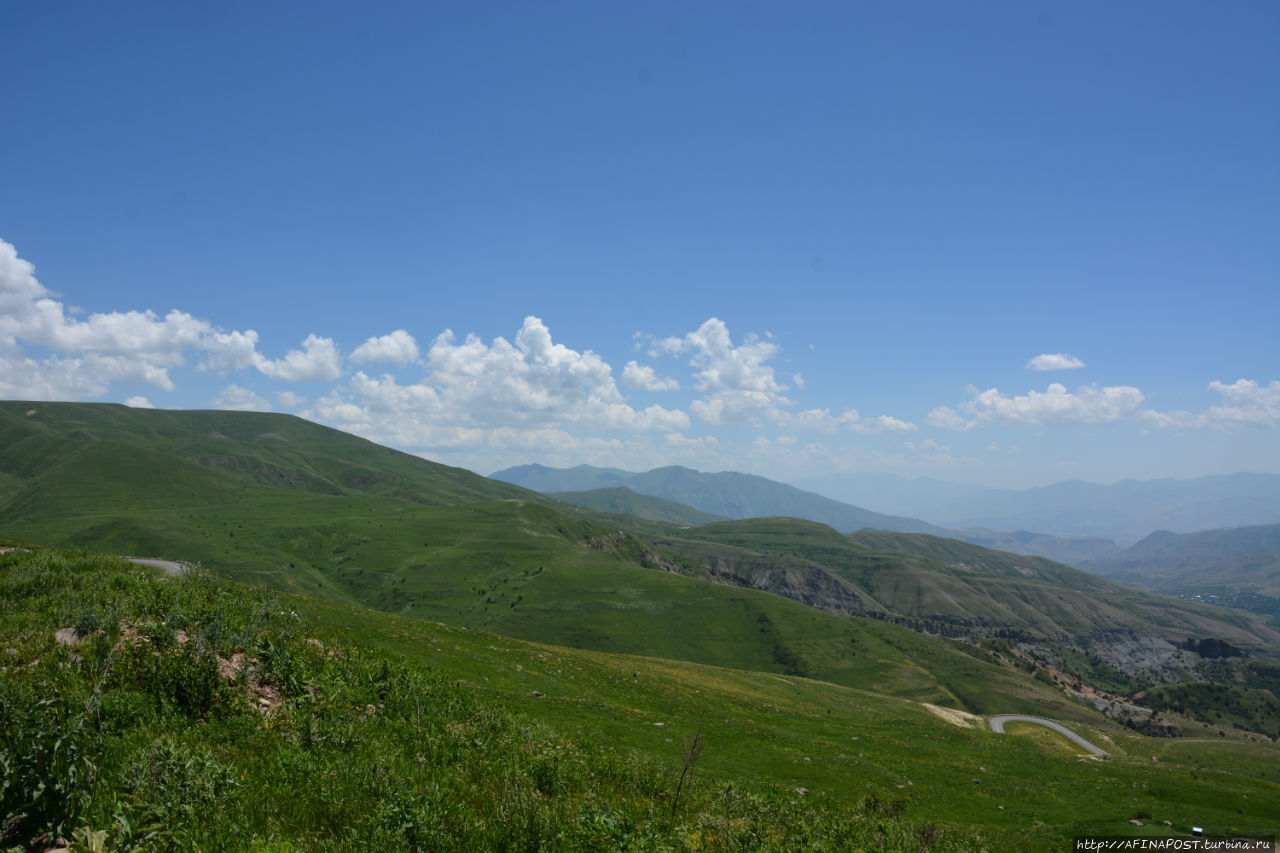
(194, 713)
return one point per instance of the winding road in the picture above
(998, 721)
(173, 569)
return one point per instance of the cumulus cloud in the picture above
(289, 400)
(85, 356)
(1245, 403)
(399, 347)
(882, 423)
(1054, 406)
(139, 402)
(947, 418)
(738, 384)
(476, 391)
(318, 360)
(236, 399)
(1055, 361)
(643, 378)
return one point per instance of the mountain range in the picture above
(276, 500)
(740, 496)
(1125, 511)
(1237, 566)
(631, 619)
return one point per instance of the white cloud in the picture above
(237, 399)
(225, 351)
(947, 418)
(1055, 361)
(1054, 406)
(1245, 403)
(489, 393)
(318, 360)
(85, 356)
(399, 347)
(738, 384)
(289, 400)
(139, 402)
(726, 368)
(643, 378)
(882, 423)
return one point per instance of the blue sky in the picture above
(1008, 242)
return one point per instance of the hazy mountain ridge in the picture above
(1126, 511)
(625, 501)
(1237, 566)
(727, 494)
(738, 496)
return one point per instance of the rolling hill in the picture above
(739, 496)
(275, 500)
(1237, 566)
(727, 494)
(343, 728)
(402, 535)
(623, 501)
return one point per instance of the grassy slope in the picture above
(924, 576)
(279, 451)
(623, 501)
(436, 755)
(518, 567)
(727, 494)
(304, 508)
(1244, 558)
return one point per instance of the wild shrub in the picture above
(49, 758)
(179, 795)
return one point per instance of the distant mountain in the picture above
(1072, 550)
(727, 494)
(1237, 566)
(1125, 511)
(624, 501)
(737, 496)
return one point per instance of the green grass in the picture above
(397, 733)
(1219, 705)
(623, 501)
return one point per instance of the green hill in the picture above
(624, 501)
(516, 565)
(928, 577)
(1235, 567)
(727, 494)
(740, 496)
(278, 501)
(278, 451)
(195, 713)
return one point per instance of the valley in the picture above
(775, 636)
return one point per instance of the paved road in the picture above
(172, 568)
(998, 721)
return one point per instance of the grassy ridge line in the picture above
(280, 451)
